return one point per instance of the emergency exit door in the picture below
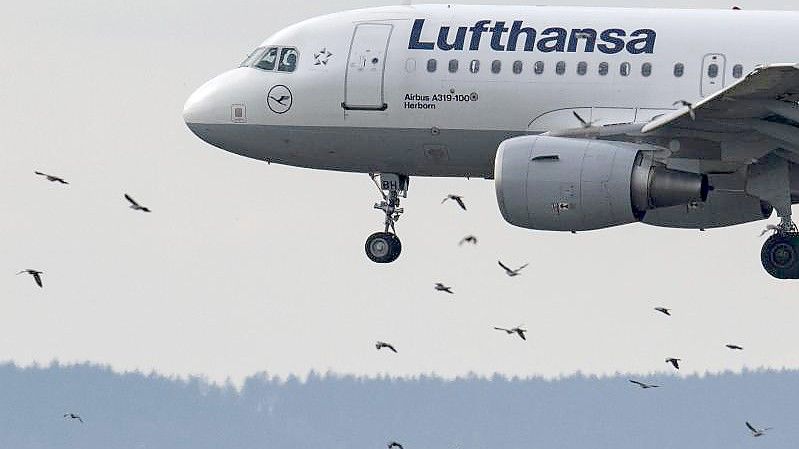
(366, 65)
(714, 68)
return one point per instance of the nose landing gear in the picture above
(385, 247)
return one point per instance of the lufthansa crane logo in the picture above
(279, 99)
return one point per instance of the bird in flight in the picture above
(674, 362)
(583, 122)
(52, 178)
(134, 205)
(73, 416)
(516, 330)
(510, 272)
(755, 431)
(770, 228)
(468, 239)
(380, 345)
(663, 310)
(443, 288)
(37, 275)
(735, 347)
(690, 107)
(394, 445)
(457, 198)
(280, 100)
(643, 385)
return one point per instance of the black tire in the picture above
(383, 247)
(780, 256)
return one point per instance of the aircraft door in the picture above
(366, 64)
(714, 68)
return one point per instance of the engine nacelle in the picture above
(562, 184)
(726, 205)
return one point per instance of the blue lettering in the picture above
(416, 34)
(553, 39)
(587, 34)
(460, 38)
(613, 42)
(496, 36)
(515, 31)
(645, 44)
(477, 30)
(556, 42)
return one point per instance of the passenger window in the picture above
(679, 69)
(453, 65)
(624, 69)
(713, 70)
(496, 66)
(288, 60)
(604, 68)
(474, 66)
(560, 67)
(254, 56)
(582, 68)
(538, 67)
(432, 65)
(737, 71)
(646, 69)
(517, 67)
(268, 60)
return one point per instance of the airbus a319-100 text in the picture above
(585, 118)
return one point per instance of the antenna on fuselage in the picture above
(407, 2)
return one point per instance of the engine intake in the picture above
(562, 184)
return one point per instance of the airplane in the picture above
(584, 117)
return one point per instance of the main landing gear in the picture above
(780, 253)
(769, 179)
(385, 247)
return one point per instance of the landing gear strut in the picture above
(385, 247)
(780, 253)
(770, 180)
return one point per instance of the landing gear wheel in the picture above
(780, 255)
(383, 247)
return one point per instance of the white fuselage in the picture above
(432, 90)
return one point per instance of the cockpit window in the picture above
(282, 59)
(267, 62)
(288, 60)
(254, 56)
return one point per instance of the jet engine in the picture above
(726, 205)
(562, 184)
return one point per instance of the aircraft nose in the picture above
(199, 107)
(212, 102)
(198, 112)
(192, 110)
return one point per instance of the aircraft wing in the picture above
(738, 125)
(768, 91)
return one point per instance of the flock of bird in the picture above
(440, 287)
(520, 331)
(37, 274)
(675, 362)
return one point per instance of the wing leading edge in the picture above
(767, 91)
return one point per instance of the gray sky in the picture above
(244, 266)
